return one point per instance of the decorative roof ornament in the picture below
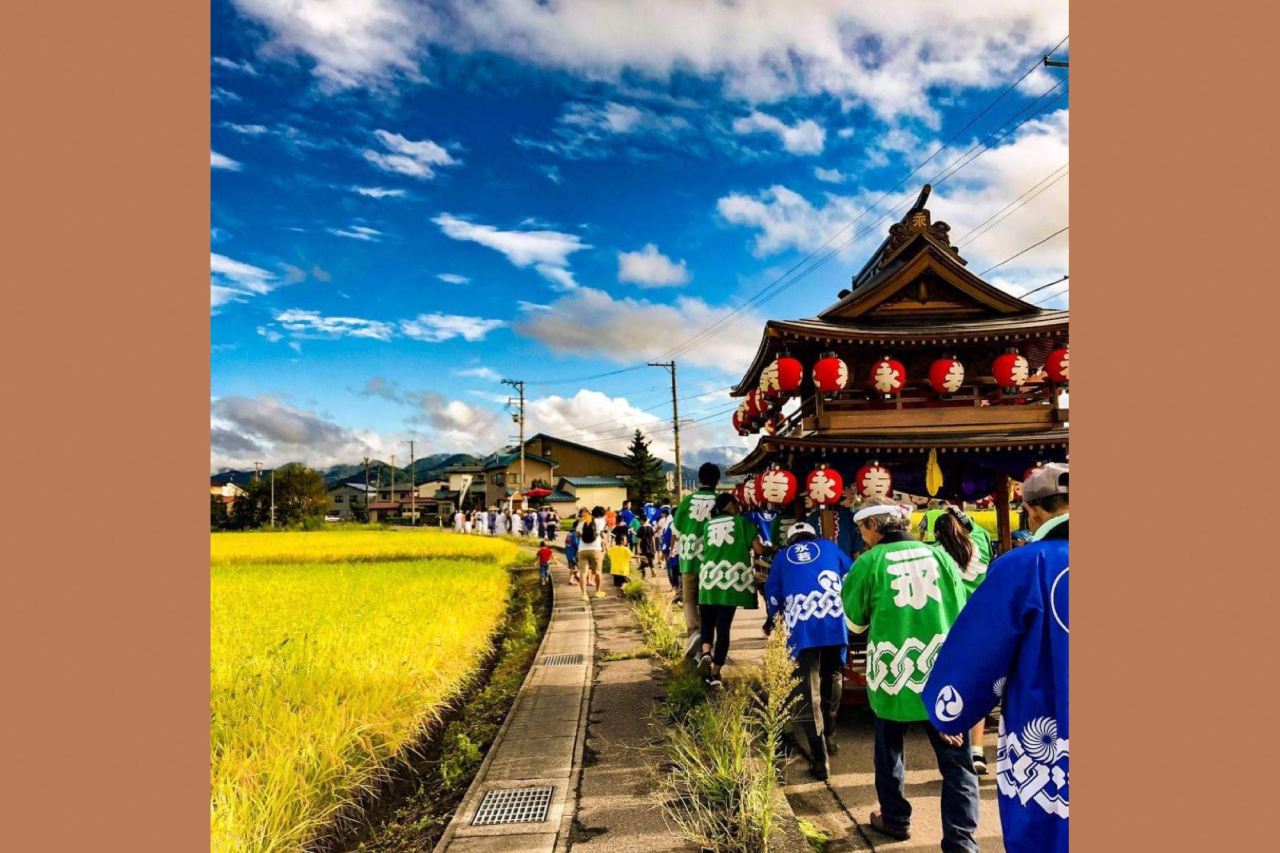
(917, 220)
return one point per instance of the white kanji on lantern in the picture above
(876, 482)
(774, 486)
(842, 374)
(1020, 371)
(1062, 365)
(954, 378)
(887, 378)
(822, 489)
(769, 378)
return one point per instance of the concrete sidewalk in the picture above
(540, 746)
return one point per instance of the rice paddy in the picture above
(329, 653)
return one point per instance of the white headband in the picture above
(866, 513)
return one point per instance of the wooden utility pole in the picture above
(413, 488)
(393, 476)
(366, 490)
(518, 384)
(675, 422)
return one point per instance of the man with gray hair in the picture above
(906, 595)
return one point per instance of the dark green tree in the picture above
(647, 481)
(219, 518)
(246, 511)
(360, 508)
(300, 495)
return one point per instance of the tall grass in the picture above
(323, 672)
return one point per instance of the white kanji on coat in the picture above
(915, 577)
(954, 378)
(774, 486)
(720, 532)
(822, 488)
(887, 378)
(700, 507)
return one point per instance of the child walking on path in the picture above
(619, 558)
(544, 562)
(726, 581)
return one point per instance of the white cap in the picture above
(799, 528)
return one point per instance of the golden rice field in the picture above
(329, 652)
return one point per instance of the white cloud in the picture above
(783, 219)
(650, 268)
(271, 335)
(234, 281)
(244, 430)
(480, 373)
(451, 278)
(312, 325)
(222, 96)
(357, 232)
(247, 129)
(845, 132)
(219, 161)
(830, 176)
(379, 192)
(407, 157)
(545, 250)
(804, 137)
(591, 322)
(242, 67)
(437, 327)
(887, 56)
(593, 131)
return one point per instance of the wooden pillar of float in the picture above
(1003, 528)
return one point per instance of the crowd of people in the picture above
(543, 523)
(953, 630)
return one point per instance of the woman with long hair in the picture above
(955, 540)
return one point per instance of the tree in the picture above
(360, 508)
(245, 512)
(647, 482)
(300, 494)
(219, 518)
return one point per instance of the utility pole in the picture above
(675, 421)
(1049, 63)
(366, 490)
(518, 384)
(273, 497)
(393, 476)
(413, 488)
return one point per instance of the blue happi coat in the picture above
(804, 585)
(1010, 645)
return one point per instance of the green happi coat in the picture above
(690, 520)
(725, 575)
(909, 593)
(973, 573)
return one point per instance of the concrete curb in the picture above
(470, 800)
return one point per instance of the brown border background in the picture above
(106, 210)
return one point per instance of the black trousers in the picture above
(717, 619)
(821, 674)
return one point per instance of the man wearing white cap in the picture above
(906, 595)
(804, 585)
(1011, 646)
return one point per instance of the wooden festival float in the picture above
(922, 378)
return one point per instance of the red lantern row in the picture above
(823, 487)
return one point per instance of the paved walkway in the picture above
(541, 742)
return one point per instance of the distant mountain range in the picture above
(433, 467)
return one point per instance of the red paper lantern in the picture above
(874, 481)
(1056, 366)
(775, 486)
(888, 376)
(824, 487)
(782, 378)
(946, 375)
(738, 426)
(1010, 370)
(830, 374)
(755, 406)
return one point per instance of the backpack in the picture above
(589, 531)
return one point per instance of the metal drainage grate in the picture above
(562, 660)
(513, 805)
(574, 610)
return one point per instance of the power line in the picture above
(1043, 286)
(730, 318)
(1024, 251)
(980, 229)
(1062, 292)
(764, 295)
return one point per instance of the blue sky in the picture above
(412, 200)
